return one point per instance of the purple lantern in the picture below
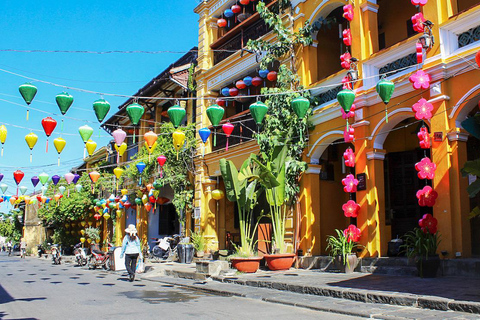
(1, 176)
(75, 179)
(55, 179)
(35, 181)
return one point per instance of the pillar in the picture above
(369, 25)
(307, 223)
(209, 215)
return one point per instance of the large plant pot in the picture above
(349, 265)
(247, 265)
(185, 253)
(428, 268)
(279, 261)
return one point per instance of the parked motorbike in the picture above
(81, 254)
(99, 258)
(165, 248)
(56, 255)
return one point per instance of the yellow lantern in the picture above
(83, 223)
(82, 232)
(3, 135)
(73, 224)
(59, 144)
(121, 150)
(119, 213)
(90, 223)
(89, 240)
(178, 140)
(118, 172)
(124, 192)
(91, 146)
(31, 140)
(67, 232)
(106, 215)
(67, 225)
(217, 194)
(82, 239)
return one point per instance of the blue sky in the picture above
(80, 25)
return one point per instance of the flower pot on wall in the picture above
(279, 261)
(428, 268)
(247, 265)
(347, 266)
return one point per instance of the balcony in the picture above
(243, 132)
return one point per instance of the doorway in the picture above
(473, 153)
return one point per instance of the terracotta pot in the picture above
(428, 268)
(200, 254)
(346, 267)
(279, 261)
(247, 265)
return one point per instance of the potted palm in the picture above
(241, 187)
(198, 242)
(421, 244)
(341, 248)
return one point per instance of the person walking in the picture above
(9, 247)
(131, 250)
(23, 248)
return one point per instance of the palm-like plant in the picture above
(340, 245)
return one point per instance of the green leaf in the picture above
(266, 177)
(471, 167)
(473, 188)
(280, 189)
(475, 213)
(228, 180)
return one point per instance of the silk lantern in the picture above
(226, 92)
(228, 13)
(272, 76)
(91, 146)
(233, 92)
(23, 189)
(178, 140)
(222, 23)
(34, 181)
(150, 138)
(76, 177)
(31, 140)
(101, 108)
(62, 189)
(18, 176)
(140, 167)
(55, 179)
(118, 173)
(204, 134)
(161, 159)
(48, 125)
(3, 135)
(135, 113)
(240, 84)
(263, 73)
(228, 129)
(221, 102)
(3, 187)
(28, 92)
(176, 114)
(1, 176)
(85, 133)
(148, 206)
(257, 81)
(217, 194)
(385, 90)
(236, 8)
(64, 101)
(120, 150)
(94, 175)
(78, 187)
(59, 144)
(345, 98)
(258, 111)
(215, 115)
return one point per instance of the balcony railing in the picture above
(329, 95)
(239, 41)
(243, 131)
(397, 65)
(470, 36)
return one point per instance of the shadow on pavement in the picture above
(5, 297)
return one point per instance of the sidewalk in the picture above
(445, 293)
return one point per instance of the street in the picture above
(35, 289)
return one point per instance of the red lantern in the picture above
(477, 58)
(221, 102)
(222, 23)
(419, 48)
(48, 125)
(240, 84)
(349, 157)
(347, 37)
(257, 81)
(18, 176)
(350, 209)
(350, 184)
(152, 199)
(236, 8)
(228, 129)
(97, 216)
(426, 197)
(245, 2)
(349, 134)
(127, 204)
(272, 76)
(148, 206)
(161, 162)
(233, 92)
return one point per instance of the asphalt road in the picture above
(33, 288)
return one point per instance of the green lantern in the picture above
(28, 92)
(215, 114)
(64, 101)
(346, 98)
(176, 114)
(43, 177)
(135, 113)
(385, 90)
(157, 184)
(138, 201)
(258, 111)
(101, 108)
(300, 106)
(85, 132)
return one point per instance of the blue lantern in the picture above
(226, 92)
(204, 134)
(263, 73)
(140, 167)
(228, 13)
(248, 81)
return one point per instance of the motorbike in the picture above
(40, 250)
(99, 258)
(56, 255)
(81, 255)
(165, 248)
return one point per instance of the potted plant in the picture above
(421, 244)
(241, 187)
(341, 248)
(198, 242)
(272, 178)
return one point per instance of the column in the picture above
(307, 222)
(209, 214)
(369, 10)
(459, 195)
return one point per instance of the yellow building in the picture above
(384, 42)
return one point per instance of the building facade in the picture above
(386, 147)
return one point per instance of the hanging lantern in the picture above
(62, 189)
(157, 184)
(222, 23)
(221, 102)
(3, 135)
(76, 177)
(101, 108)
(228, 129)
(119, 136)
(106, 215)
(248, 81)
(385, 90)
(28, 92)
(59, 144)
(424, 138)
(217, 194)
(226, 92)
(85, 133)
(236, 8)
(57, 197)
(272, 76)
(23, 189)
(140, 167)
(240, 84)
(78, 187)
(300, 106)
(31, 140)
(35, 181)
(477, 58)
(64, 101)
(161, 159)
(263, 73)
(55, 179)
(178, 140)
(204, 134)
(148, 206)
(118, 172)
(94, 175)
(91, 146)
(228, 13)
(257, 81)
(135, 113)
(351, 209)
(176, 114)
(69, 177)
(3, 187)
(215, 115)
(349, 157)
(18, 176)
(48, 125)
(233, 92)
(1, 176)
(345, 98)
(245, 2)
(120, 150)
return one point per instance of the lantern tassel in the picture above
(133, 135)
(2, 150)
(203, 151)
(84, 151)
(46, 151)
(177, 154)
(118, 157)
(386, 114)
(59, 160)
(226, 148)
(215, 138)
(31, 156)
(28, 111)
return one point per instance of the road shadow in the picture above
(5, 297)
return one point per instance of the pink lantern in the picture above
(349, 114)
(349, 134)
(227, 129)
(428, 224)
(349, 157)
(240, 84)
(348, 12)
(420, 80)
(350, 209)
(417, 21)
(161, 162)
(350, 183)
(426, 197)
(424, 138)
(233, 92)
(352, 233)
(345, 60)
(347, 37)
(119, 136)
(423, 110)
(426, 168)
(419, 2)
